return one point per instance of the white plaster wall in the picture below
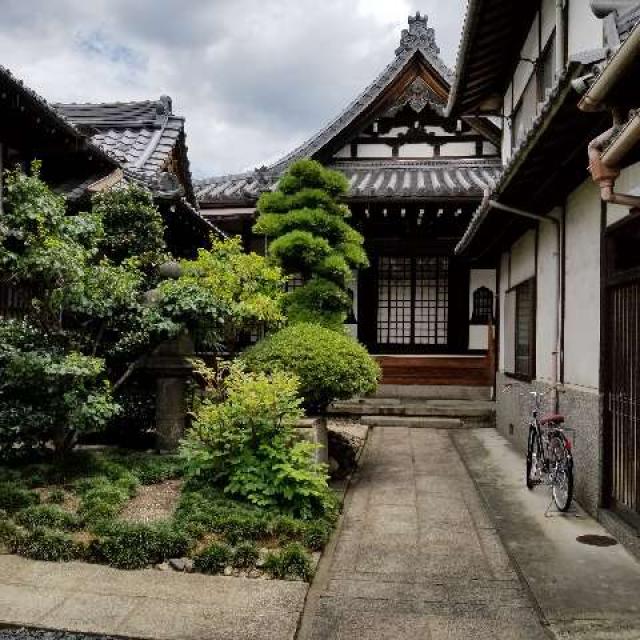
(458, 149)
(508, 126)
(582, 302)
(548, 8)
(585, 30)
(547, 300)
(478, 334)
(421, 150)
(523, 258)
(525, 69)
(628, 182)
(489, 149)
(374, 151)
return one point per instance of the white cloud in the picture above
(252, 78)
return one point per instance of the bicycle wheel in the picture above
(532, 455)
(562, 472)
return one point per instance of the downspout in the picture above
(605, 175)
(556, 353)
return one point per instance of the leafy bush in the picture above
(135, 546)
(246, 444)
(213, 559)
(310, 237)
(286, 527)
(329, 365)
(48, 544)
(245, 555)
(291, 562)
(47, 516)
(13, 497)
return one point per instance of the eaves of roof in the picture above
(56, 119)
(548, 163)
(493, 34)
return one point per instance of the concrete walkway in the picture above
(417, 556)
(146, 604)
(583, 592)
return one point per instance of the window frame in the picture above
(530, 374)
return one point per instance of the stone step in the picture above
(455, 409)
(433, 392)
(418, 422)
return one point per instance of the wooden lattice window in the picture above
(482, 306)
(413, 300)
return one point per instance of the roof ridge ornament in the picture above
(418, 36)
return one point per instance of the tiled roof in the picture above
(627, 20)
(373, 179)
(140, 135)
(57, 118)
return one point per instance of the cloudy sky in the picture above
(253, 78)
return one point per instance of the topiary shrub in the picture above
(135, 546)
(47, 516)
(10, 534)
(245, 555)
(103, 499)
(213, 559)
(311, 238)
(13, 497)
(329, 365)
(48, 544)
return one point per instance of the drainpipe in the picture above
(560, 36)
(556, 353)
(606, 174)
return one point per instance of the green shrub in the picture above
(56, 496)
(285, 527)
(245, 555)
(238, 527)
(310, 237)
(135, 546)
(102, 500)
(213, 559)
(316, 535)
(150, 468)
(329, 365)
(14, 497)
(291, 562)
(47, 544)
(10, 534)
(246, 444)
(47, 516)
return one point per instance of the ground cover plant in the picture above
(72, 511)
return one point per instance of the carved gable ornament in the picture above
(417, 95)
(418, 36)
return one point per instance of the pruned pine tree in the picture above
(310, 238)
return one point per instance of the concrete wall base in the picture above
(582, 410)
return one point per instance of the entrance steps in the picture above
(417, 412)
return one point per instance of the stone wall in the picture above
(583, 412)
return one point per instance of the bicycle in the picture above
(549, 454)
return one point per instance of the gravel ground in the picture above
(36, 634)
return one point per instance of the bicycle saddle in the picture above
(552, 418)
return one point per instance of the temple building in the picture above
(416, 175)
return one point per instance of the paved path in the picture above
(146, 604)
(417, 556)
(583, 592)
